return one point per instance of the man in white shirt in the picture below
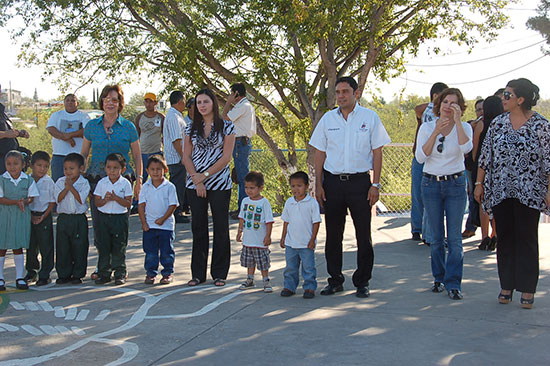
(241, 112)
(66, 127)
(173, 136)
(348, 142)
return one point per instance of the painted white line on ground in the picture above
(16, 305)
(49, 330)
(32, 330)
(78, 331)
(71, 313)
(129, 350)
(8, 327)
(102, 314)
(63, 330)
(32, 306)
(59, 312)
(45, 305)
(82, 315)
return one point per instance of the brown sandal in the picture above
(193, 282)
(219, 282)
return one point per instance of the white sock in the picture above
(2, 260)
(19, 260)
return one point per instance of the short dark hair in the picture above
(255, 177)
(75, 158)
(300, 175)
(239, 88)
(524, 88)
(107, 90)
(436, 89)
(40, 155)
(70, 95)
(441, 96)
(349, 80)
(119, 158)
(157, 158)
(190, 102)
(478, 101)
(176, 96)
(499, 92)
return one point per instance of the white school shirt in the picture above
(451, 159)
(174, 127)
(157, 200)
(33, 190)
(300, 215)
(349, 144)
(69, 204)
(256, 214)
(243, 117)
(67, 122)
(122, 188)
(46, 188)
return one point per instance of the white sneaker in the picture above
(267, 287)
(247, 284)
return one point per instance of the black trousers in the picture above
(41, 241)
(112, 243)
(221, 248)
(71, 246)
(178, 176)
(518, 245)
(341, 196)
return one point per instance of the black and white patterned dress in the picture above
(206, 152)
(516, 163)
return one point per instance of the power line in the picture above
(479, 60)
(479, 80)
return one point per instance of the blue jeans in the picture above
(144, 158)
(419, 217)
(309, 272)
(57, 167)
(446, 199)
(241, 154)
(155, 241)
(473, 206)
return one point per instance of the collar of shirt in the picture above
(306, 199)
(150, 182)
(350, 115)
(174, 110)
(118, 119)
(7, 175)
(242, 101)
(117, 181)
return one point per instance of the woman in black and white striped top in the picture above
(208, 146)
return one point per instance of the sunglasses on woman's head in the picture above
(440, 146)
(507, 95)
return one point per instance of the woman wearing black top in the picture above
(8, 137)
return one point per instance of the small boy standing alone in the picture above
(113, 198)
(302, 218)
(41, 222)
(255, 225)
(71, 237)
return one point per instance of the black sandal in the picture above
(21, 284)
(219, 282)
(194, 282)
(505, 299)
(527, 303)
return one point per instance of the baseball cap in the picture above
(151, 96)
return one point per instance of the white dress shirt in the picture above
(243, 117)
(451, 159)
(33, 190)
(300, 215)
(349, 144)
(157, 200)
(46, 188)
(69, 204)
(122, 188)
(174, 127)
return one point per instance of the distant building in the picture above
(12, 97)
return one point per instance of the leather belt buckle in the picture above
(344, 177)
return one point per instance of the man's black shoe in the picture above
(331, 290)
(62, 281)
(416, 237)
(30, 278)
(180, 219)
(362, 292)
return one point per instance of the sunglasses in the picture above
(440, 146)
(507, 95)
(110, 100)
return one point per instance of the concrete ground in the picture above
(401, 323)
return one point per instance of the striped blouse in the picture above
(206, 152)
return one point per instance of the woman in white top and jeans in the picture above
(441, 146)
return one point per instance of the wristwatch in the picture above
(206, 174)
(377, 185)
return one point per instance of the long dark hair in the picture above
(198, 121)
(492, 107)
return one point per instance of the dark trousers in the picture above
(178, 176)
(71, 246)
(221, 249)
(341, 195)
(518, 245)
(112, 243)
(41, 241)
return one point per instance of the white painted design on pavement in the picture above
(63, 330)
(129, 350)
(59, 312)
(45, 306)
(78, 331)
(48, 329)
(16, 305)
(102, 315)
(82, 315)
(31, 306)
(32, 330)
(8, 327)
(71, 313)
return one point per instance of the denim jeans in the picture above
(57, 167)
(155, 241)
(144, 158)
(241, 154)
(473, 206)
(446, 200)
(309, 272)
(419, 217)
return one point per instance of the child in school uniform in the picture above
(113, 198)
(17, 191)
(158, 200)
(41, 222)
(255, 225)
(301, 220)
(71, 237)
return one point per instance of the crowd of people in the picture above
(499, 163)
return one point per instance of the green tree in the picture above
(541, 22)
(288, 53)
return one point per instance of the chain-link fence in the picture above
(395, 196)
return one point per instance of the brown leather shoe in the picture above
(468, 234)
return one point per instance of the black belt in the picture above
(37, 213)
(112, 214)
(440, 178)
(346, 177)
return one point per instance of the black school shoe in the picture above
(62, 281)
(102, 280)
(287, 293)
(331, 290)
(43, 281)
(362, 292)
(30, 278)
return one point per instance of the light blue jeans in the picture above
(309, 272)
(57, 167)
(241, 154)
(446, 200)
(419, 217)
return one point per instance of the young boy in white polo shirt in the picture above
(158, 200)
(113, 198)
(301, 217)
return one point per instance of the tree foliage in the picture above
(541, 22)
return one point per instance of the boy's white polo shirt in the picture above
(46, 187)
(122, 188)
(300, 215)
(69, 205)
(157, 200)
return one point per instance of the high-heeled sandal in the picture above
(527, 303)
(493, 244)
(505, 299)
